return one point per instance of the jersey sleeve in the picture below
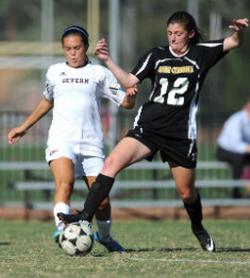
(145, 66)
(212, 52)
(48, 92)
(111, 89)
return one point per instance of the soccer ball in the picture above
(77, 238)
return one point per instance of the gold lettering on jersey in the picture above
(75, 80)
(176, 70)
(164, 69)
(185, 69)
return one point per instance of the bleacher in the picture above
(154, 188)
(26, 181)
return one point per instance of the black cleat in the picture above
(206, 241)
(69, 218)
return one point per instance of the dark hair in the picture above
(189, 23)
(74, 29)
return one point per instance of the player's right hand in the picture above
(15, 135)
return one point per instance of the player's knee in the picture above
(187, 196)
(109, 161)
(110, 164)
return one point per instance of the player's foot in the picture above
(206, 241)
(70, 218)
(56, 234)
(111, 245)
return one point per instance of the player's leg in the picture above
(184, 179)
(127, 151)
(92, 166)
(236, 162)
(63, 172)
(104, 223)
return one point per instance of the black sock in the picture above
(194, 211)
(99, 191)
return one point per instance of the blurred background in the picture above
(30, 42)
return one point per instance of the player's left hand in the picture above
(239, 24)
(101, 50)
(132, 91)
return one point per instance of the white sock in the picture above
(104, 228)
(60, 207)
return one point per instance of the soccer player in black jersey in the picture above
(166, 123)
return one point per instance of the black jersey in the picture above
(176, 83)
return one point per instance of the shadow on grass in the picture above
(131, 250)
(233, 249)
(189, 249)
(4, 243)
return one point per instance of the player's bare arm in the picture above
(126, 79)
(237, 27)
(41, 109)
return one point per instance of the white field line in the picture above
(191, 261)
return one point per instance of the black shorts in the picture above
(182, 152)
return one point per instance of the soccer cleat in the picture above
(111, 245)
(70, 218)
(55, 235)
(206, 241)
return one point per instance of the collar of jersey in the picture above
(87, 62)
(176, 55)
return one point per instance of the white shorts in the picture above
(85, 165)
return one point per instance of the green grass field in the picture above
(155, 249)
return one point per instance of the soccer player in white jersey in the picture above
(166, 123)
(74, 90)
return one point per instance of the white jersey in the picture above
(77, 94)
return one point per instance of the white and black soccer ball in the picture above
(77, 238)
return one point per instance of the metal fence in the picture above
(25, 177)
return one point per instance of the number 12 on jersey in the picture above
(175, 95)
